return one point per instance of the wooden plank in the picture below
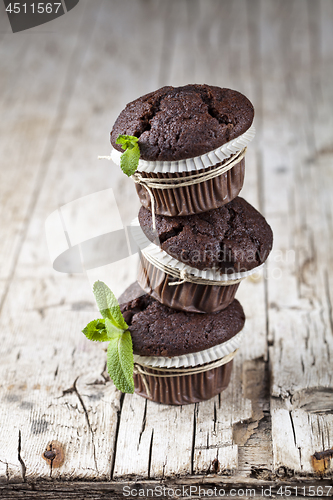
(22, 354)
(244, 487)
(299, 309)
(31, 115)
(82, 417)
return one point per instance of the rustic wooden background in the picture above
(62, 86)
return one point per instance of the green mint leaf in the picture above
(108, 305)
(112, 330)
(120, 362)
(95, 330)
(129, 160)
(127, 141)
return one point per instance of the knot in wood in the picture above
(54, 454)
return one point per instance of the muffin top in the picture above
(176, 123)
(158, 330)
(232, 238)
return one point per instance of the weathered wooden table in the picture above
(62, 86)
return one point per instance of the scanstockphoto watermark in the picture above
(27, 14)
(194, 491)
(187, 492)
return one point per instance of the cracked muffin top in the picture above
(176, 123)
(232, 238)
(158, 330)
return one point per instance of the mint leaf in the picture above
(129, 160)
(120, 362)
(108, 305)
(127, 141)
(112, 330)
(95, 330)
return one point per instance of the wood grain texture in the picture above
(177, 486)
(297, 201)
(277, 411)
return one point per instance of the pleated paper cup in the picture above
(187, 296)
(199, 197)
(193, 359)
(163, 387)
(188, 378)
(158, 273)
(189, 200)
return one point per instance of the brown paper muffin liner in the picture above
(194, 199)
(182, 389)
(191, 297)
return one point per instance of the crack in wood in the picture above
(215, 417)
(151, 454)
(163, 469)
(121, 403)
(144, 420)
(195, 416)
(328, 299)
(105, 373)
(295, 439)
(87, 419)
(20, 459)
(105, 376)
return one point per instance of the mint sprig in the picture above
(120, 363)
(129, 160)
(114, 329)
(95, 330)
(108, 304)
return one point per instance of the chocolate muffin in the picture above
(176, 123)
(158, 330)
(232, 238)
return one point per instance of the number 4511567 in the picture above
(39, 8)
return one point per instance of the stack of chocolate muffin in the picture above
(202, 239)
